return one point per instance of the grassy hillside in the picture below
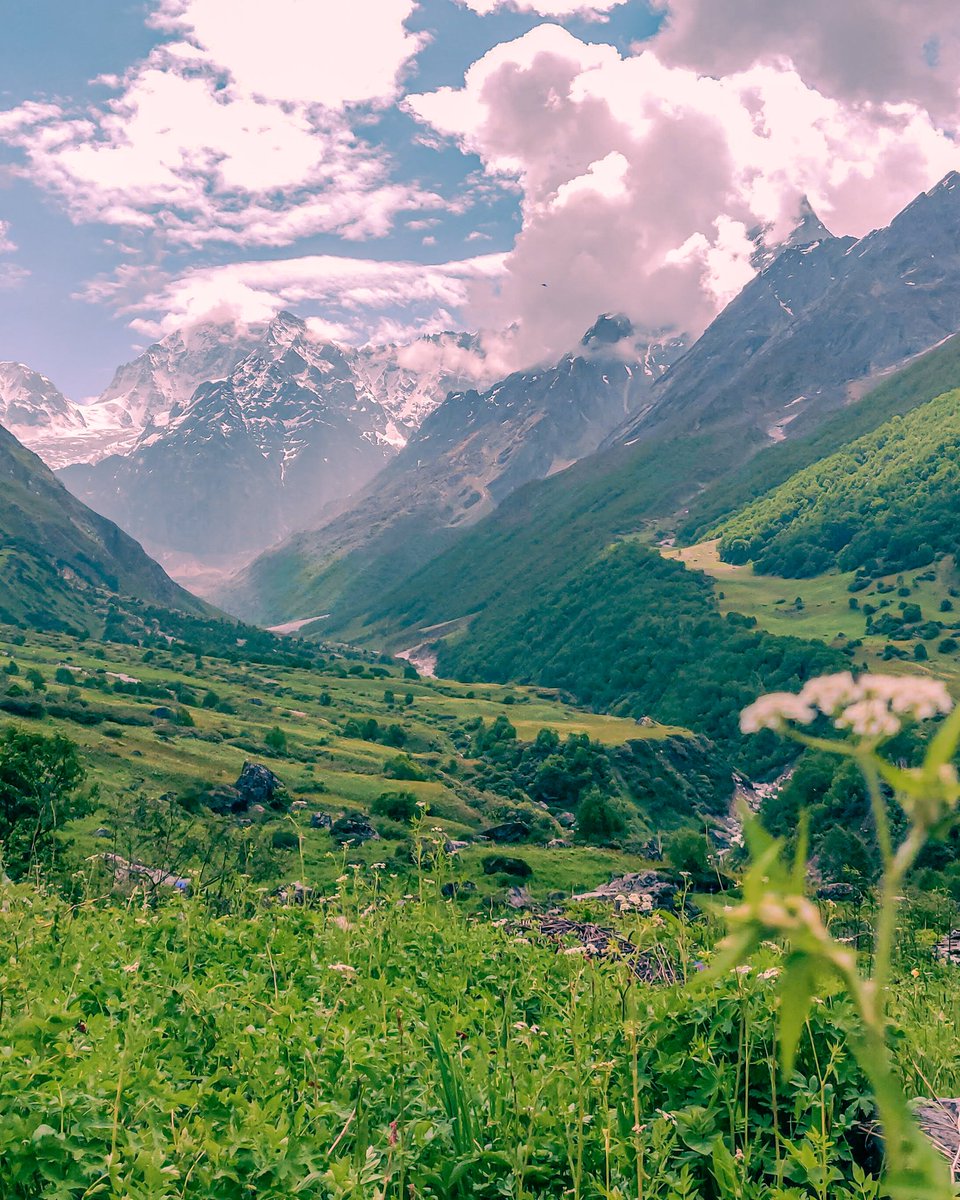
(928, 376)
(59, 561)
(888, 501)
(637, 635)
(161, 729)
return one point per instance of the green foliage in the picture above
(275, 740)
(600, 820)
(202, 1054)
(40, 778)
(617, 645)
(886, 502)
(397, 806)
(689, 852)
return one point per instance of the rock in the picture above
(557, 844)
(257, 812)
(258, 785)
(452, 847)
(455, 888)
(103, 832)
(162, 713)
(501, 864)
(644, 890)
(838, 892)
(298, 805)
(519, 898)
(948, 948)
(257, 702)
(509, 831)
(320, 820)
(566, 819)
(224, 799)
(352, 828)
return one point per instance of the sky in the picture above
(389, 167)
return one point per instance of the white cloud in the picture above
(360, 298)
(7, 244)
(640, 180)
(236, 133)
(879, 51)
(302, 52)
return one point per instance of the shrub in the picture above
(397, 806)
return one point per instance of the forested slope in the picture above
(888, 501)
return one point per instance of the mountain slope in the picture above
(58, 559)
(297, 424)
(467, 456)
(36, 412)
(787, 349)
(888, 501)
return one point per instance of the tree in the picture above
(35, 679)
(397, 806)
(598, 819)
(689, 851)
(40, 778)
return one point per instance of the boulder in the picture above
(320, 820)
(224, 799)
(566, 819)
(502, 864)
(353, 829)
(257, 784)
(162, 713)
(454, 888)
(509, 831)
(103, 832)
(644, 890)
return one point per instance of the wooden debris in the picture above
(940, 1121)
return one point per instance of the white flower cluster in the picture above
(872, 706)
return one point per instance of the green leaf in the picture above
(797, 988)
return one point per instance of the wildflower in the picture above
(341, 922)
(830, 693)
(869, 719)
(134, 966)
(769, 973)
(343, 968)
(743, 969)
(378, 866)
(774, 710)
(915, 973)
(574, 950)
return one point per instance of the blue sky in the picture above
(395, 165)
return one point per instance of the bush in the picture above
(284, 839)
(599, 820)
(404, 768)
(275, 740)
(397, 806)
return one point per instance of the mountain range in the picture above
(421, 510)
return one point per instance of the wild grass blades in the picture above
(870, 710)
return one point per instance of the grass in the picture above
(321, 767)
(826, 614)
(383, 1045)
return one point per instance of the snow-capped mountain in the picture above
(296, 424)
(466, 457)
(38, 414)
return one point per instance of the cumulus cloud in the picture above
(880, 51)
(642, 182)
(235, 133)
(7, 244)
(359, 298)
(300, 51)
